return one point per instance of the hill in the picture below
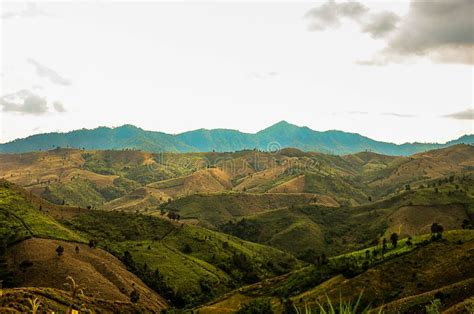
(101, 275)
(30, 236)
(214, 209)
(326, 230)
(406, 279)
(185, 263)
(280, 135)
(133, 180)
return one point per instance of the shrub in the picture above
(258, 306)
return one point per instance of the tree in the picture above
(134, 296)
(409, 243)
(384, 246)
(407, 187)
(436, 231)
(394, 239)
(370, 198)
(60, 250)
(466, 224)
(187, 249)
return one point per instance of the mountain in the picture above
(280, 135)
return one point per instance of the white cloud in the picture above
(25, 102)
(59, 106)
(49, 73)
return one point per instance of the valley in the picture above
(218, 232)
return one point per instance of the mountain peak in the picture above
(281, 125)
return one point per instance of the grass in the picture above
(20, 220)
(214, 261)
(315, 287)
(218, 208)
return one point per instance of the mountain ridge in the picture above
(276, 136)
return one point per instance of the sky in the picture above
(393, 71)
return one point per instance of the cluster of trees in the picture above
(245, 229)
(174, 216)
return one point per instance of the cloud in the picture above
(381, 24)
(25, 102)
(49, 73)
(467, 114)
(31, 11)
(442, 30)
(399, 115)
(59, 106)
(329, 14)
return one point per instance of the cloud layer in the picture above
(49, 73)
(442, 30)
(26, 102)
(467, 114)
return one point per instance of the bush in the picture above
(258, 306)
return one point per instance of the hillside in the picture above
(192, 228)
(282, 134)
(327, 230)
(101, 275)
(30, 236)
(135, 180)
(186, 263)
(407, 278)
(214, 209)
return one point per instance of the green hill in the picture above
(337, 230)
(185, 263)
(282, 134)
(20, 220)
(407, 277)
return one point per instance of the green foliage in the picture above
(19, 220)
(433, 307)
(187, 278)
(258, 306)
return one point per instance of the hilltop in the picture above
(277, 136)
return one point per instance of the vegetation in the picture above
(251, 231)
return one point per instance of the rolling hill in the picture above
(30, 237)
(408, 278)
(280, 135)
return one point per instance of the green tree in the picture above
(436, 231)
(394, 239)
(60, 250)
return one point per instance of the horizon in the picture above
(242, 66)
(237, 130)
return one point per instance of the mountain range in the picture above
(279, 135)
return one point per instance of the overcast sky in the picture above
(393, 71)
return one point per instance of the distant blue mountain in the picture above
(280, 135)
